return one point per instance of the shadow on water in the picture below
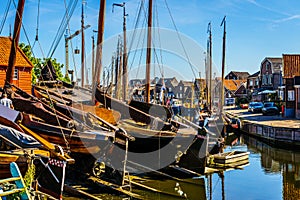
(273, 173)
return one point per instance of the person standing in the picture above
(6, 101)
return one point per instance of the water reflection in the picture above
(282, 161)
(272, 173)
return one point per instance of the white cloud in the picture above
(287, 19)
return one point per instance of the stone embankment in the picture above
(274, 129)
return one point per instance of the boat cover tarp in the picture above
(8, 113)
(21, 139)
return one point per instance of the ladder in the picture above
(19, 182)
(126, 182)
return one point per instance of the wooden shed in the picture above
(23, 66)
(291, 74)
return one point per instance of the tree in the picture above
(38, 64)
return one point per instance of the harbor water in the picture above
(272, 173)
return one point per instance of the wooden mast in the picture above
(125, 71)
(148, 59)
(223, 62)
(119, 85)
(209, 65)
(14, 44)
(93, 56)
(82, 47)
(98, 67)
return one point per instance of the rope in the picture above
(185, 52)
(37, 25)
(180, 38)
(5, 16)
(62, 27)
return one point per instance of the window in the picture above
(281, 95)
(180, 95)
(270, 79)
(256, 81)
(264, 80)
(251, 82)
(16, 74)
(291, 95)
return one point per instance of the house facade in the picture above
(23, 67)
(183, 91)
(291, 85)
(170, 84)
(200, 88)
(253, 82)
(271, 73)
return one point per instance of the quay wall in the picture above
(281, 136)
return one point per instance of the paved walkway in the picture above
(275, 121)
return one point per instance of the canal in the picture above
(272, 173)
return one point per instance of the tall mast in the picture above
(112, 73)
(98, 67)
(93, 57)
(15, 43)
(209, 65)
(125, 73)
(119, 85)
(223, 62)
(82, 46)
(148, 59)
(117, 68)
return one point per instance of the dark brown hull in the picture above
(78, 142)
(151, 133)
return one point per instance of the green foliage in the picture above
(29, 176)
(38, 64)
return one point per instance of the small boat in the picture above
(27, 153)
(229, 158)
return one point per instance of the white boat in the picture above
(229, 158)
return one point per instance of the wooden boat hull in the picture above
(18, 156)
(156, 110)
(154, 138)
(86, 142)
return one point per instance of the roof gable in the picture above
(256, 74)
(233, 85)
(21, 58)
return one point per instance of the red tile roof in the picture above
(233, 85)
(21, 59)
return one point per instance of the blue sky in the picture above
(255, 29)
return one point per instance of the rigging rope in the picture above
(184, 49)
(185, 52)
(137, 19)
(37, 25)
(62, 27)
(5, 16)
